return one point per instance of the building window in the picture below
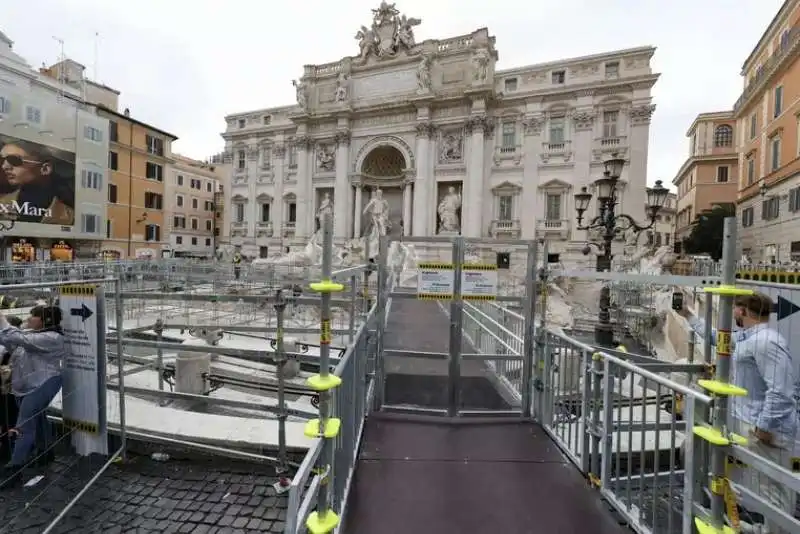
(751, 170)
(155, 145)
(612, 70)
(722, 174)
(610, 120)
(505, 208)
(108, 229)
(208, 241)
(113, 161)
(152, 232)
(558, 76)
(509, 139)
(292, 215)
(195, 184)
(242, 123)
(208, 187)
(208, 205)
(753, 126)
(292, 156)
(112, 193)
(179, 240)
(553, 207)
(179, 201)
(33, 115)
(195, 224)
(209, 225)
(510, 84)
(92, 134)
(5, 105)
(113, 131)
(194, 241)
(267, 120)
(775, 154)
(770, 209)
(154, 171)
(238, 213)
(723, 136)
(91, 179)
(557, 130)
(195, 204)
(153, 201)
(263, 252)
(265, 212)
(794, 199)
(179, 221)
(90, 223)
(180, 179)
(777, 101)
(241, 159)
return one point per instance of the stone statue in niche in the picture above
(342, 86)
(424, 75)
(448, 211)
(480, 62)
(326, 158)
(300, 93)
(378, 210)
(452, 148)
(325, 208)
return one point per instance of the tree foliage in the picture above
(706, 236)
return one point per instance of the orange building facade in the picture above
(708, 176)
(139, 159)
(768, 143)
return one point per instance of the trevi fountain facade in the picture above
(422, 137)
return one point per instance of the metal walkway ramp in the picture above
(481, 477)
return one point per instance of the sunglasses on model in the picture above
(17, 161)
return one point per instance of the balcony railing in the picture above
(509, 227)
(556, 148)
(612, 142)
(786, 47)
(551, 227)
(264, 228)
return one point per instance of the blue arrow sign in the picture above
(84, 312)
(785, 308)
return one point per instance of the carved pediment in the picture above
(289, 197)
(264, 198)
(555, 185)
(507, 187)
(238, 198)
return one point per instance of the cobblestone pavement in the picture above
(144, 496)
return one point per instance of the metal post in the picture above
(723, 370)
(280, 364)
(541, 338)
(604, 333)
(594, 419)
(528, 353)
(159, 330)
(380, 315)
(353, 296)
(456, 331)
(123, 438)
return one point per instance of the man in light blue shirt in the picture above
(767, 416)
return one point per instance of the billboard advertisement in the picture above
(37, 182)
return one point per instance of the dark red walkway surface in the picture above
(476, 478)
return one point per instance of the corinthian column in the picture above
(357, 211)
(305, 202)
(407, 217)
(422, 184)
(279, 152)
(341, 190)
(472, 211)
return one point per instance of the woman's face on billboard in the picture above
(19, 167)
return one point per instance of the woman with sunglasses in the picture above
(34, 175)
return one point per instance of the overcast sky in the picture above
(182, 65)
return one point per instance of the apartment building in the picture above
(139, 157)
(192, 194)
(708, 176)
(768, 144)
(54, 180)
(663, 231)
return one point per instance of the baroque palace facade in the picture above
(453, 145)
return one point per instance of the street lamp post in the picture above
(611, 224)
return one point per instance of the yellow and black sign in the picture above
(434, 265)
(81, 290)
(776, 277)
(723, 343)
(83, 426)
(434, 296)
(325, 332)
(479, 297)
(479, 267)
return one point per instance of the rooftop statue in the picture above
(389, 33)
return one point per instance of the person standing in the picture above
(237, 264)
(767, 416)
(35, 381)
